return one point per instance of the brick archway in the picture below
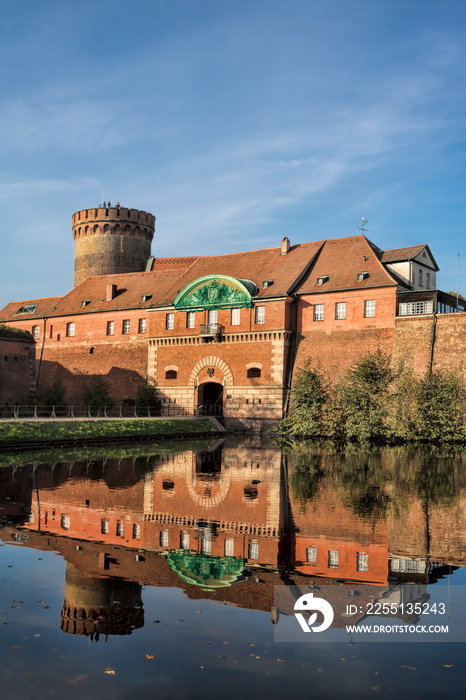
(211, 361)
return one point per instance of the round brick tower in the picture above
(111, 239)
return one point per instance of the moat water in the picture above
(153, 571)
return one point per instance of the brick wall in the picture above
(17, 371)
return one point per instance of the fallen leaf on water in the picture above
(110, 671)
(149, 656)
(447, 665)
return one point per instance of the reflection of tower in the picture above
(95, 606)
(111, 240)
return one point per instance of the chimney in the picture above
(285, 246)
(111, 292)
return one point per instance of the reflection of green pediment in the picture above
(216, 292)
(205, 570)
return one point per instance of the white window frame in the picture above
(120, 528)
(369, 308)
(319, 312)
(36, 332)
(184, 539)
(415, 308)
(110, 327)
(212, 316)
(253, 549)
(125, 326)
(311, 555)
(190, 319)
(142, 325)
(65, 522)
(340, 310)
(170, 321)
(206, 542)
(235, 317)
(164, 538)
(259, 314)
(362, 561)
(70, 329)
(136, 531)
(333, 558)
(104, 526)
(229, 547)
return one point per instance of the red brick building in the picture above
(222, 334)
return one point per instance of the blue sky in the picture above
(235, 123)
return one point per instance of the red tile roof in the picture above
(342, 259)
(399, 254)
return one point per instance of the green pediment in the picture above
(216, 292)
(205, 570)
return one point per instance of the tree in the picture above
(441, 407)
(53, 395)
(308, 397)
(97, 394)
(148, 399)
(365, 395)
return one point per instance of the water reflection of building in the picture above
(225, 523)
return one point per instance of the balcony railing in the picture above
(211, 329)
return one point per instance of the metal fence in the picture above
(50, 412)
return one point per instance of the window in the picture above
(164, 538)
(323, 279)
(229, 549)
(65, 522)
(212, 316)
(259, 314)
(333, 559)
(184, 540)
(206, 542)
(190, 319)
(104, 527)
(415, 308)
(318, 312)
(170, 322)
(254, 372)
(171, 374)
(36, 332)
(235, 319)
(253, 549)
(120, 529)
(340, 310)
(142, 325)
(26, 309)
(420, 278)
(125, 326)
(136, 531)
(110, 327)
(70, 329)
(311, 555)
(362, 561)
(168, 485)
(369, 308)
(428, 280)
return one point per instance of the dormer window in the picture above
(146, 297)
(323, 279)
(362, 276)
(85, 302)
(267, 283)
(29, 309)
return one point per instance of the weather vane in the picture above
(364, 222)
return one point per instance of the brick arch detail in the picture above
(211, 361)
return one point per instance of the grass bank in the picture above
(23, 433)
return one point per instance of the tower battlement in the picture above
(111, 240)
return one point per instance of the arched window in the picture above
(171, 374)
(254, 372)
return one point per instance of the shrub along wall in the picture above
(378, 403)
